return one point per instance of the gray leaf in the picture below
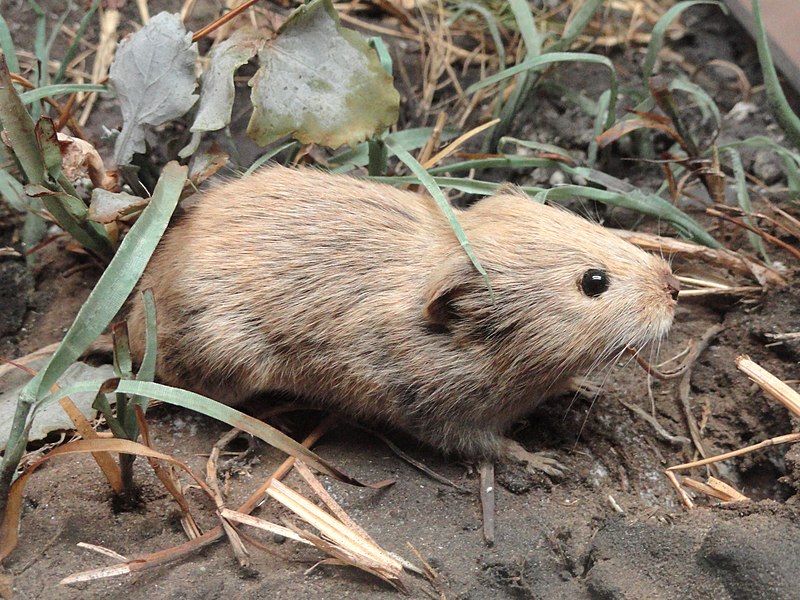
(321, 83)
(52, 417)
(153, 76)
(217, 91)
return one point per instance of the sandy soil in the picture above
(611, 528)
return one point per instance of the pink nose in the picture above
(673, 285)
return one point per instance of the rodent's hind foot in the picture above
(534, 462)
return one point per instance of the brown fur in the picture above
(358, 297)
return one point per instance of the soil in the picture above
(611, 528)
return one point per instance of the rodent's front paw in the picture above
(535, 462)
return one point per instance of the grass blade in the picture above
(111, 291)
(647, 204)
(73, 47)
(540, 62)
(49, 91)
(576, 24)
(234, 418)
(423, 177)
(657, 35)
(744, 203)
(19, 128)
(7, 46)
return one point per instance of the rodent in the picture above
(357, 297)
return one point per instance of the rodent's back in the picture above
(358, 296)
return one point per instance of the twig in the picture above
(162, 557)
(776, 441)
(663, 375)
(677, 440)
(487, 501)
(418, 465)
(773, 386)
(685, 385)
(760, 232)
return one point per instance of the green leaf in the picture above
(320, 83)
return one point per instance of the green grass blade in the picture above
(118, 280)
(72, 50)
(56, 30)
(495, 162)
(234, 418)
(382, 51)
(647, 204)
(268, 156)
(491, 24)
(59, 89)
(408, 139)
(527, 27)
(744, 202)
(19, 128)
(791, 160)
(525, 80)
(657, 35)
(147, 370)
(104, 302)
(40, 43)
(784, 115)
(12, 191)
(576, 25)
(433, 189)
(550, 58)
(599, 124)
(704, 101)
(7, 46)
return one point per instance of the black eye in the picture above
(594, 282)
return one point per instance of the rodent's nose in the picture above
(673, 285)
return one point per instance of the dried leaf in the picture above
(320, 83)
(107, 207)
(153, 76)
(80, 159)
(623, 128)
(205, 164)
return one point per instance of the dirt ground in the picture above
(611, 529)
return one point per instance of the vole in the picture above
(357, 296)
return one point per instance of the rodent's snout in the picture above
(672, 285)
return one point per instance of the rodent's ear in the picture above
(449, 281)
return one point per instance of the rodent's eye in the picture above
(594, 282)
